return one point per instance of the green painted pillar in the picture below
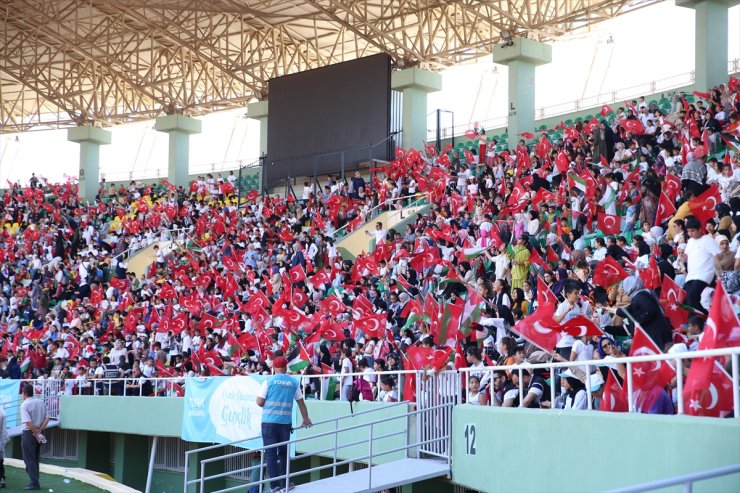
(415, 84)
(131, 460)
(258, 111)
(90, 140)
(179, 128)
(710, 41)
(521, 56)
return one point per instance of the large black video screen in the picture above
(340, 107)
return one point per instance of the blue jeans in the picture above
(277, 457)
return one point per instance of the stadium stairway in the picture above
(367, 450)
(357, 242)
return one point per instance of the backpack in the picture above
(361, 388)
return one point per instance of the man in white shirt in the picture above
(701, 250)
(380, 234)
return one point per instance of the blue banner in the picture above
(223, 409)
(9, 401)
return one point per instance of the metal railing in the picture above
(687, 480)
(48, 390)
(386, 206)
(371, 440)
(321, 380)
(628, 361)
(620, 95)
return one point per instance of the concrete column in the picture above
(521, 56)
(415, 84)
(90, 140)
(710, 40)
(179, 128)
(258, 111)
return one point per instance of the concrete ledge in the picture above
(416, 78)
(524, 50)
(87, 133)
(99, 480)
(179, 123)
(257, 110)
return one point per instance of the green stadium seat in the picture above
(542, 128)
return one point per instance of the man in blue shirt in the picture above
(276, 400)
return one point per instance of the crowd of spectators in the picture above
(510, 234)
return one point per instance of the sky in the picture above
(583, 64)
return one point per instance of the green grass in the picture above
(16, 479)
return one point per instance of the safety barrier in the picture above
(372, 439)
(434, 388)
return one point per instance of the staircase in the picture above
(357, 242)
(367, 451)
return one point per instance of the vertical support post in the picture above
(90, 139)
(679, 384)
(439, 130)
(179, 128)
(151, 466)
(588, 388)
(415, 84)
(521, 388)
(710, 41)
(521, 56)
(259, 111)
(735, 389)
(630, 403)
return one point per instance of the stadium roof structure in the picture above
(71, 62)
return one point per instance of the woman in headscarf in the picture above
(644, 309)
(621, 294)
(562, 276)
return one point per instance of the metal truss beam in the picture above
(65, 62)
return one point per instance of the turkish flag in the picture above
(666, 209)
(635, 126)
(605, 110)
(297, 274)
(536, 258)
(708, 398)
(722, 330)
(332, 305)
(527, 135)
(562, 162)
(672, 187)
(372, 325)
(581, 326)
(615, 396)
(543, 195)
(704, 207)
(650, 376)
(608, 272)
(362, 307)
(551, 255)
(542, 148)
(651, 276)
(670, 292)
(119, 284)
(208, 321)
(540, 328)
(733, 84)
(167, 292)
(609, 224)
(544, 294)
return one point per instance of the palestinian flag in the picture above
(298, 358)
(473, 252)
(26, 364)
(577, 182)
